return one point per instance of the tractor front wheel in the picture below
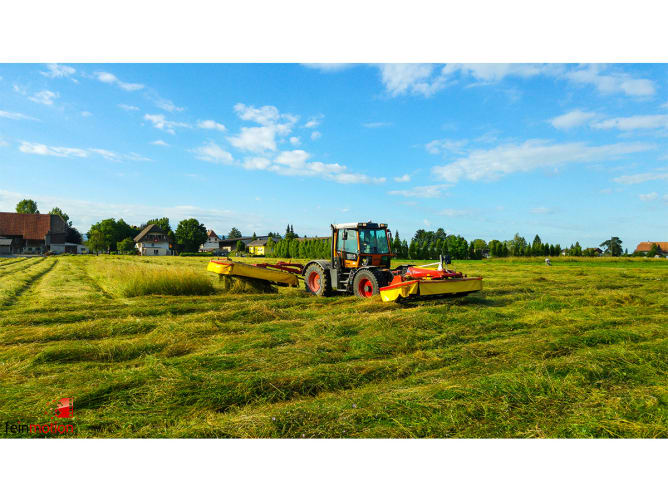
(317, 281)
(366, 284)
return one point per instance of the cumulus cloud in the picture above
(648, 197)
(16, 116)
(211, 124)
(159, 142)
(211, 152)
(261, 139)
(532, 154)
(314, 122)
(45, 97)
(431, 191)
(294, 141)
(255, 139)
(329, 67)
(315, 135)
(166, 104)
(160, 122)
(111, 79)
(400, 79)
(659, 174)
(403, 179)
(86, 114)
(58, 71)
(634, 122)
(572, 119)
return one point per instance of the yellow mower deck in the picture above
(420, 288)
(233, 268)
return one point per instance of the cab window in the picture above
(373, 242)
(349, 244)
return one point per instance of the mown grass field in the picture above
(578, 349)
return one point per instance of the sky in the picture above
(569, 152)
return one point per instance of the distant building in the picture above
(31, 233)
(212, 242)
(230, 244)
(152, 241)
(645, 247)
(257, 247)
(68, 248)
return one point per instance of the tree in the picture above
(234, 233)
(73, 235)
(536, 246)
(27, 206)
(127, 245)
(613, 246)
(97, 241)
(163, 222)
(653, 250)
(269, 247)
(57, 211)
(190, 234)
(109, 232)
(240, 246)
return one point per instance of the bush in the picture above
(195, 254)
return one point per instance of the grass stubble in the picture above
(158, 347)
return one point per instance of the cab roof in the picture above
(353, 226)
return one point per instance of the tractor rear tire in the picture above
(317, 280)
(366, 284)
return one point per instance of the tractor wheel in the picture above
(366, 284)
(317, 281)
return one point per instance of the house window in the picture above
(155, 251)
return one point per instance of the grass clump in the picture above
(130, 280)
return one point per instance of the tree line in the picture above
(111, 235)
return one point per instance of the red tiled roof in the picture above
(27, 226)
(211, 233)
(647, 246)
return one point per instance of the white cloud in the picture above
(647, 197)
(45, 97)
(315, 135)
(455, 212)
(571, 119)
(532, 154)
(166, 104)
(376, 125)
(128, 107)
(656, 175)
(328, 67)
(58, 71)
(255, 139)
(16, 116)
(86, 114)
(614, 82)
(541, 210)
(261, 139)
(432, 191)
(85, 212)
(159, 122)
(211, 124)
(256, 163)
(403, 179)
(65, 152)
(400, 79)
(445, 146)
(111, 79)
(295, 141)
(159, 142)
(633, 122)
(55, 151)
(211, 152)
(314, 122)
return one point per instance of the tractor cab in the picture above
(355, 245)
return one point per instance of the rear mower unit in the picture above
(360, 265)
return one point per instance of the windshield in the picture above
(373, 242)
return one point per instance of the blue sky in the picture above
(571, 152)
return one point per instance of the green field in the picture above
(578, 349)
